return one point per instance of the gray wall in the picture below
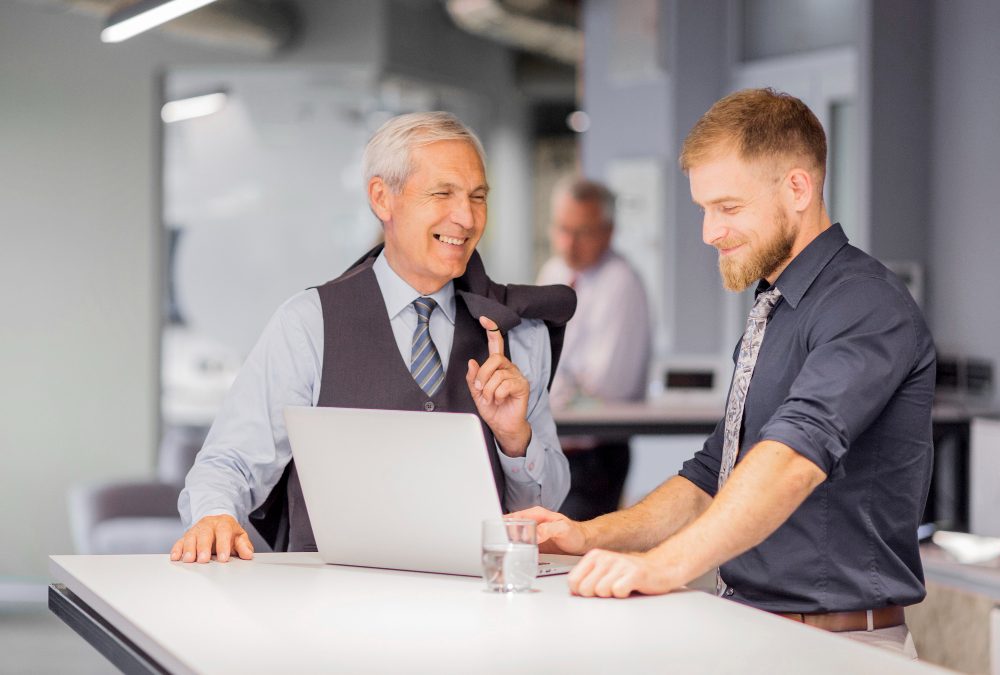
(79, 267)
(650, 118)
(900, 79)
(964, 275)
(699, 76)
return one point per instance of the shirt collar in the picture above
(589, 273)
(398, 294)
(802, 271)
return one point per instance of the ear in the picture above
(380, 199)
(800, 189)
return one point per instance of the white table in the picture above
(289, 613)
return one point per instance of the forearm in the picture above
(660, 514)
(762, 492)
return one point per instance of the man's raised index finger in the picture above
(493, 335)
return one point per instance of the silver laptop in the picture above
(398, 489)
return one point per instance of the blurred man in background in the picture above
(607, 348)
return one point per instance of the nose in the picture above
(461, 213)
(711, 229)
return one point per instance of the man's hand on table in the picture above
(222, 535)
(605, 574)
(601, 573)
(556, 533)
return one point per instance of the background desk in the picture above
(947, 505)
(289, 613)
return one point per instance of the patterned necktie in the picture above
(425, 362)
(753, 336)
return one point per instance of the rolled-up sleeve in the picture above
(703, 468)
(861, 345)
(541, 477)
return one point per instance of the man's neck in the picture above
(420, 284)
(809, 229)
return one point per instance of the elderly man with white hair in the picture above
(413, 325)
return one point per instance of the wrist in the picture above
(588, 529)
(515, 443)
(670, 562)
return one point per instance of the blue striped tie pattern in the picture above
(425, 362)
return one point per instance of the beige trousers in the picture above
(896, 639)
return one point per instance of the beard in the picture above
(760, 261)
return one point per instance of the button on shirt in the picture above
(247, 448)
(845, 377)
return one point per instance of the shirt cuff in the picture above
(702, 478)
(213, 507)
(527, 469)
(814, 444)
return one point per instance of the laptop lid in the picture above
(394, 489)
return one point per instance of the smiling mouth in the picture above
(453, 241)
(730, 249)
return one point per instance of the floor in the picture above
(33, 641)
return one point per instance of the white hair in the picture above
(388, 153)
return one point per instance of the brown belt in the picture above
(840, 622)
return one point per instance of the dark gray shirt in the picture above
(845, 377)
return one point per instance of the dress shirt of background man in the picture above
(349, 342)
(819, 517)
(606, 352)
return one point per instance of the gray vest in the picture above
(362, 368)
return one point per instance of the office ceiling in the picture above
(259, 27)
(547, 28)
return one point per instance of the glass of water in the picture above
(510, 554)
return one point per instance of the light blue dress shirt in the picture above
(247, 448)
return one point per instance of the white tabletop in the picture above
(288, 612)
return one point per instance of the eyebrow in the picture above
(719, 200)
(452, 186)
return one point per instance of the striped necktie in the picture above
(753, 336)
(425, 362)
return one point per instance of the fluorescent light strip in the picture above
(150, 18)
(196, 106)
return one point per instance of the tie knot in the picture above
(424, 307)
(764, 303)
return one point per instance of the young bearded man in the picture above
(808, 495)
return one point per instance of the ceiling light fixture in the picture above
(578, 121)
(145, 14)
(195, 106)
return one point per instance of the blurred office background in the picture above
(140, 258)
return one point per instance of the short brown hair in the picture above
(758, 123)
